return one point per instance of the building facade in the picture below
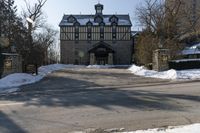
(96, 39)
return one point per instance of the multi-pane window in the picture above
(71, 19)
(102, 31)
(114, 31)
(89, 32)
(76, 32)
(99, 10)
(98, 19)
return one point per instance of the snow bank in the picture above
(195, 128)
(11, 82)
(141, 71)
(107, 66)
(18, 79)
(170, 74)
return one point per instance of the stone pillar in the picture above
(160, 59)
(92, 59)
(12, 64)
(110, 59)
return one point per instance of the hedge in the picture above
(185, 64)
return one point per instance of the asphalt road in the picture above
(75, 100)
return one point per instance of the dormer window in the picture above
(98, 19)
(71, 19)
(76, 24)
(89, 23)
(113, 19)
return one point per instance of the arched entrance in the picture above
(101, 54)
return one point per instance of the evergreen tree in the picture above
(11, 25)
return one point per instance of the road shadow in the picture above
(7, 125)
(67, 92)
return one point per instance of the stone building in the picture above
(96, 39)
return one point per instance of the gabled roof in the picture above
(101, 44)
(123, 20)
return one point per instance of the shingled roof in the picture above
(123, 20)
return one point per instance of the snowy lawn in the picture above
(170, 74)
(11, 82)
(195, 128)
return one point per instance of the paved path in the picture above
(71, 100)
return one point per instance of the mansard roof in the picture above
(123, 20)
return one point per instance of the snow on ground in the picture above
(100, 66)
(107, 66)
(11, 82)
(195, 128)
(170, 74)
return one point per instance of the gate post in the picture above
(160, 59)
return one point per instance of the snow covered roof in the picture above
(194, 49)
(123, 20)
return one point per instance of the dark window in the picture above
(101, 31)
(76, 32)
(113, 19)
(98, 19)
(114, 32)
(99, 10)
(71, 19)
(89, 32)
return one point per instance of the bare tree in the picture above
(34, 12)
(34, 16)
(45, 39)
(164, 22)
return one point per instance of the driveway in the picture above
(77, 99)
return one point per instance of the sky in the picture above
(55, 9)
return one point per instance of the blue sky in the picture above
(54, 9)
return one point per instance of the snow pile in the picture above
(141, 71)
(18, 79)
(11, 82)
(107, 66)
(170, 74)
(195, 128)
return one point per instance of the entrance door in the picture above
(101, 55)
(102, 60)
